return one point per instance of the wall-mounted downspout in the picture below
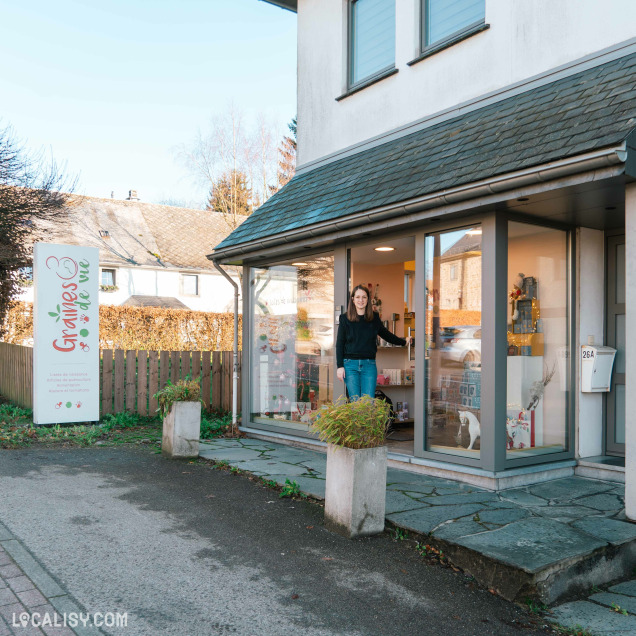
(234, 349)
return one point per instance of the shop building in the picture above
(473, 164)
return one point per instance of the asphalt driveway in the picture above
(187, 549)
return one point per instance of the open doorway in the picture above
(387, 270)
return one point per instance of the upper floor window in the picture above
(444, 20)
(371, 39)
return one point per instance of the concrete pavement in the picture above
(186, 549)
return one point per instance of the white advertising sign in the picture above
(65, 334)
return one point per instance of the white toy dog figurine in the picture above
(474, 428)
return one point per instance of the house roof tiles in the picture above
(140, 234)
(592, 109)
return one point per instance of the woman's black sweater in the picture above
(357, 340)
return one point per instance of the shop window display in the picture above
(453, 342)
(387, 270)
(537, 370)
(292, 341)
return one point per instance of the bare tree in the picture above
(230, 154)
(30, 192)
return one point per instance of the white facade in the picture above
(525, 39)
(215, 293)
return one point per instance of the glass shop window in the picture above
(538, 353)
(453, 342)
(292, 345)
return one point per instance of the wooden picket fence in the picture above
(16, 374)
(129, 379)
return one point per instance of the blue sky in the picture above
(112, 86)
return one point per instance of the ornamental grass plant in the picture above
(186, 390)
(361, 423)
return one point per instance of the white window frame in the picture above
(182, 280)
(108, 269)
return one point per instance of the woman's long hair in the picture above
(352, 312)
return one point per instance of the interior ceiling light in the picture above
(299, 264)
(474, 232)
(384, 249)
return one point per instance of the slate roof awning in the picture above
(578, 114)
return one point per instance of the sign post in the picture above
(65, 334)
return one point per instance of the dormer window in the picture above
(104, 233)
(371, 39)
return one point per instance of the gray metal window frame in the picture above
(455, 36)
(609, 446)
(370, 79)
(494, 322)
(339, 255)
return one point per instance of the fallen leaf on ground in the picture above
(327, 558)
(210, 496)
(294, 596)
(310, 527)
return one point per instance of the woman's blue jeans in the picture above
(361, 377)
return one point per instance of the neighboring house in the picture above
(508, 131)
(149, 255)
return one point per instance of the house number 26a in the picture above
(588, 353)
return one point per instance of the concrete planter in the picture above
(355, 490)
(181, 430)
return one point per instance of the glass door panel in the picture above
(453, 342)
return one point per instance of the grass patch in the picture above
(215, 424)
(18, 431)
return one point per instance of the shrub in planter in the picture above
(180, 408)
(356, 464)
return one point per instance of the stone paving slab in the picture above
(569, 488)
(423, 489)
(459, 528)
(565, 513)
(312, 486)
(611, 530)
(627, 587)
(618, 600)
(503, 516)
(227, 454)
(523, 498)
(533, 544)
(399, 502)
(425, 520)
(473, 497)
(597, 619)
(605, 501)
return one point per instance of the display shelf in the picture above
(392, 386)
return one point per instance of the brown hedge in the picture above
(151, 328)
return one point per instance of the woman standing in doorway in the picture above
(356, 344)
